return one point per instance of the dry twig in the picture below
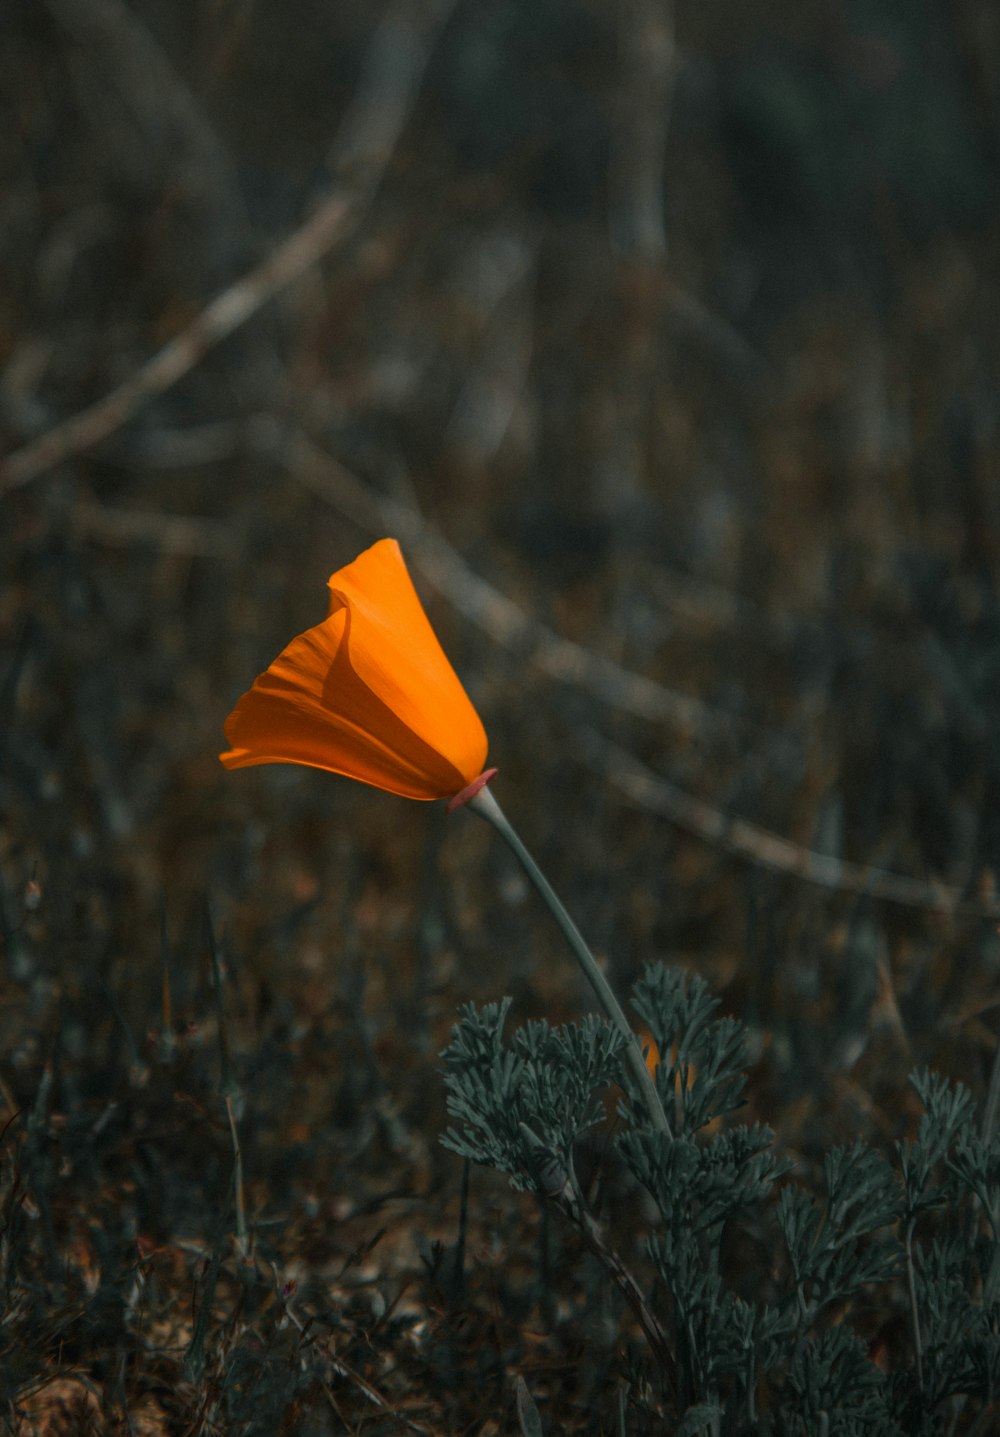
(167, 533)
(368, 137)
(486, 606)
(649, 62)
(123, 55)
(570, 663)
(769, 850)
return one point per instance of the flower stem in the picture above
(911, 1283)
(487, 807)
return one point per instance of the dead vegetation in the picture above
(666, 344)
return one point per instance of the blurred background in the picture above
(664, 336)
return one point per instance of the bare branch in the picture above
(168, 127)
(485, 605)
(167, 533)
(649, 63)
(738, 836)
(628, 692)
(370, 133)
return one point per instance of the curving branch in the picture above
(360, 156)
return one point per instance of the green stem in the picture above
(911, 1283)
(487, 807)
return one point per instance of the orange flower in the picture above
(367, 693)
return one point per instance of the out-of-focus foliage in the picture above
(676, 323)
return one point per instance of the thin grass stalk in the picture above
(239, 1200)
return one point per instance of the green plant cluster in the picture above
(875, 1307)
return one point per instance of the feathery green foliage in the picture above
(786, 1348)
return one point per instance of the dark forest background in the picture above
(664, 337)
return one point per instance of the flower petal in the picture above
(395, 652)
(367, 693)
